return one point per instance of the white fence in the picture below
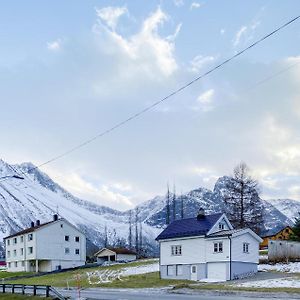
(283, 251)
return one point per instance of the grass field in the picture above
(4, 274)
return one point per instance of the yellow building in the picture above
(277, 234)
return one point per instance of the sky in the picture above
(71, 69)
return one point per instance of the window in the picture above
(61, 225)
(179, 270)
(22, 239)
(30, 237)
(67, 238)
(77, 251)
(77, 239)
(245, 247)
(221, 225)
(194, 269)
(23, 263)
(170, 270)
(218, 247)
(15, 252)
(21, 251)
(9, 264)
(176, 250)
(8, 253)
(16, 264)
(30, 250)
(8, 242)
(15, 240)
(67, 250)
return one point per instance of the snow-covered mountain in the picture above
(289, 207)
(38, 197)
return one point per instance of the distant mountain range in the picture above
(38, 197)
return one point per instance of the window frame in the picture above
(177, 268)
(30, 237)
(218, 247)
(67, 250)
(176, 250)
(77, 239)
(246, 247)
(170, 268)
(67, 238)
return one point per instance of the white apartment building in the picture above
(46, 247)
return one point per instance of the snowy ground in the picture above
(292, 267)
(272, 283)
(140, 270)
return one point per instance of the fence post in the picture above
(13, 288)
(47, 291)
(34, 290)
(23, 289)
(3, 288)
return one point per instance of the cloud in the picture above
(173, 36)
(110, 15)
(178, 3)
(195, 5)
(222, 31)
(55, 45)
(199, 62)
(146, 50)
(205, 101)
(242, 31)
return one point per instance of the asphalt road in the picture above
(162, 295)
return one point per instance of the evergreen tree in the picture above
(137, 249)
(243, 206)
(181, 207)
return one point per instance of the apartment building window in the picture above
(245, 247)
(30, 250)
(8, 253)
(15, 240)
(176, 250)
(15, 252)
(218, 247)
(30, 237)
(67, 250)
(221, 225)
(8, 242)
(21, 251)
(67, 238)
(77, 251)
(23, 263)
(16, 264)
(77, 239)
(22, 239)
(9, 264)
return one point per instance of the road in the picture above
(163, 295)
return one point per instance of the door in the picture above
(217, 271)
(194, 272)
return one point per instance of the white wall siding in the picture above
(192, 249)
(211, 256)
(237, 248)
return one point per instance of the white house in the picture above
(207, 247)
(115, 254)
(46, 247)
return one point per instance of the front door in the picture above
(194, 272)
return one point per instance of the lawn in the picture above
(4, 274)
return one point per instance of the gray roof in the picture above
(225, 232)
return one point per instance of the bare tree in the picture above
(174, 203)
(137, 250)
(244, 207)
(105, 236)
(181, 206)
(130, 230)
(168, 207)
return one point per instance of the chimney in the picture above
(201, 214)
(38, 222)
(32, 224)
(55, 217)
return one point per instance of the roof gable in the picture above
(189, 227)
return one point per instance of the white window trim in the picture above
(218, 247)
(246, 248)
(176, 250)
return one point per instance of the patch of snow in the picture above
(211, 280)
(272, 283)
(292, 267)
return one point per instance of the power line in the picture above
(146, 109)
